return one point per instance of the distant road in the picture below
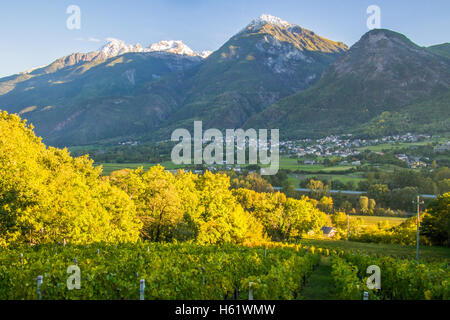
(352, 192)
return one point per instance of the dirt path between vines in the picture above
(320, 286)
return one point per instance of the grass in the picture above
(393, 146)
(373, 220)
(319, 286)
(385, 167)
(427, 253)
(295, 179)
(344, 178)
(292, 164)
(110, 167)
(402, 145)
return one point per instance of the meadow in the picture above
(294, 179)
(374, 220)
(393, 146)
(403, 145)
(292, 164)
(110, 167)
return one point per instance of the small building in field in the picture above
(328, 232)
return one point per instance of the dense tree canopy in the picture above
(47, 196)
(436, 224)
(185, 206)
(283, 218)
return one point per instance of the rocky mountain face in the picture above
(268, 60)
(86, 97)
(383, 73)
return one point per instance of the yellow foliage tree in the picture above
(47, 196)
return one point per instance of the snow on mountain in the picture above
(267, 18)
(32, 69)
(205, 54)
(172, 46)
(116, 47)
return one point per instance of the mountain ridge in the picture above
(249, 72)
(270, 74)
(383, 72)
(259, 65)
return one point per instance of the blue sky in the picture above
(34, 32)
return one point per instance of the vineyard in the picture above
(189, 271)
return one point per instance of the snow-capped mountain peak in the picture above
(267, 18)
(115, 47)
(172, 46)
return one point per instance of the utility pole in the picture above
(418, 202)
(348, 226)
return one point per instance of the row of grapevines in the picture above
(345, 276)
(171, 271)
(283, 281)
(405, 279)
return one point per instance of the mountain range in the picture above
(271, 74)
(383, 85)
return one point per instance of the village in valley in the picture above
(346, 147)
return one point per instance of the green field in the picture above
(402, 145)
(393, 146)
(373, 220)
(110, 167)
(294, 179)
(292, 164)
(344, 178)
